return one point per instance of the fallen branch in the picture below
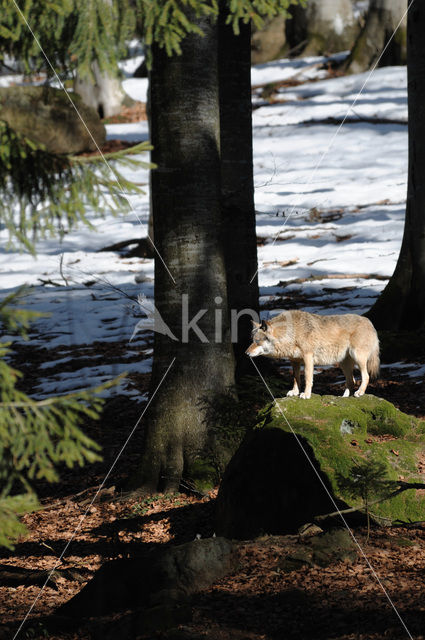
(334, 276)
(15, 576)
(291, 79)
(282, 263)
(351, 120)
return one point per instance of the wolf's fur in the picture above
(312, 339)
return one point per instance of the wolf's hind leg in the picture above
(296, 367)
(308, 375)
(361, 360)
(347, 366)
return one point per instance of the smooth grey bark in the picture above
(324, 26)
(104, 94)
(382, 19)
(188, 234)
(237, 181)
(402, 303)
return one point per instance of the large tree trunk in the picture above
(402, 303)
(188, 235)
(104, 93)
(237, 182)
(322, 27)
(382, 19)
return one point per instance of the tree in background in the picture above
(100, 84)
(236, 176)
(269, 42)
(402, 303)
(382, 18)
(322, 27)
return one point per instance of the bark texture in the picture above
(188, 234)
(322, 27)
(381, 21)
(237, 182)
(402, 303)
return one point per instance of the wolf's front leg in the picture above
(308, 375)
(295, 391)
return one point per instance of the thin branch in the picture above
(403, 486)
(334, 276)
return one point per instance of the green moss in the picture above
(202, 474)
(339, 429)
(421, 427)
(384, 418)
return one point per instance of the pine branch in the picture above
(53, 192)
(73, 33)
(14, 319)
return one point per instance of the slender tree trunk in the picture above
(402, 303)
(237, 182)
(105, 93)
(187, 230)
(382, 19)
(322, 27)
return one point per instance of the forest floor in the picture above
(257, 602)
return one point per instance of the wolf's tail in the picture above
(373, 361)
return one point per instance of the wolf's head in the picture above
(262, 340)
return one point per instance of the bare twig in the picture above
(61, 270)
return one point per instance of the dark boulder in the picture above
(162, 578)
(287, 471)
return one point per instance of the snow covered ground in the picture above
(330, 201)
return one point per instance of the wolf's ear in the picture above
(264, 326)
(255, 325)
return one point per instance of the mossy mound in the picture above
(271, 486)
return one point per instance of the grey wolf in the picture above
(311, 339)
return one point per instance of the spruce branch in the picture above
(46, 194)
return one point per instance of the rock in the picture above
(301, 558)
(271, 487)
(46, 116)
(309, 530)
(333, 546)
(268, 487)
(323, 550)
(164, 577)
